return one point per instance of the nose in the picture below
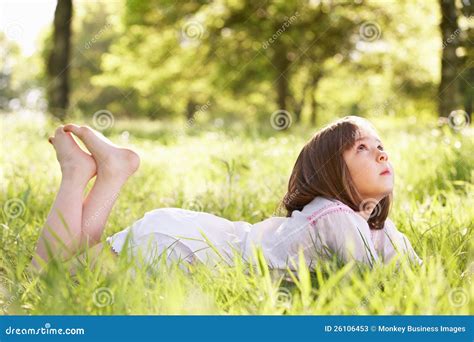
(382, 156)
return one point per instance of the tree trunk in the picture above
(282, 92)
(299, 105)
(467, 62)
(314, 107)
(58, 61)
(281, 62)
(190, 110)
(314, 102)
(448, 92)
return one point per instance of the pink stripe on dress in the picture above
(333, 207)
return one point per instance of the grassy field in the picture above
(240, 173)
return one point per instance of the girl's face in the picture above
(369, 167)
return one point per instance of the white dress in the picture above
(324, 227)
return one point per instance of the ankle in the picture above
(74, 176)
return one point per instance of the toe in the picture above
(73, 128)
(59, 131)
(82, 132)
(86, 130)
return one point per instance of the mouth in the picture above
(385, 172)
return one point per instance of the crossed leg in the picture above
(73, 222)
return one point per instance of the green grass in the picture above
(240, 173)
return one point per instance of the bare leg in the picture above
(114, 166)
(62, 230)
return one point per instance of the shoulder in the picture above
(324, 209)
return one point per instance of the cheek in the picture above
(358, 170)
(357, 166)
(364, 173)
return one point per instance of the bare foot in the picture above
(73, 160)
(112, 161)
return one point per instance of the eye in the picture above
(380, 147)
(361, 147)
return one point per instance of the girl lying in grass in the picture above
(338, 201)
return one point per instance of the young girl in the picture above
(338, 200)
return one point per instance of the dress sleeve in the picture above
(346, 235)
(396, 242)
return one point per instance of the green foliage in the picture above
(16, 81)
(250, 58)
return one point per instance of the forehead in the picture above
(367, 133)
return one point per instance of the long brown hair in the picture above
(320, 170)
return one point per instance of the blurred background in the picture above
(237, 61)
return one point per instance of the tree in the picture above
(244, 51)
(448, 92)
(467, 62)
(288, 44)
(94, 32)
(58, 61)
(250, 58)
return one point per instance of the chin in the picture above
(381, 193)
(386, 187)
(386, 192)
